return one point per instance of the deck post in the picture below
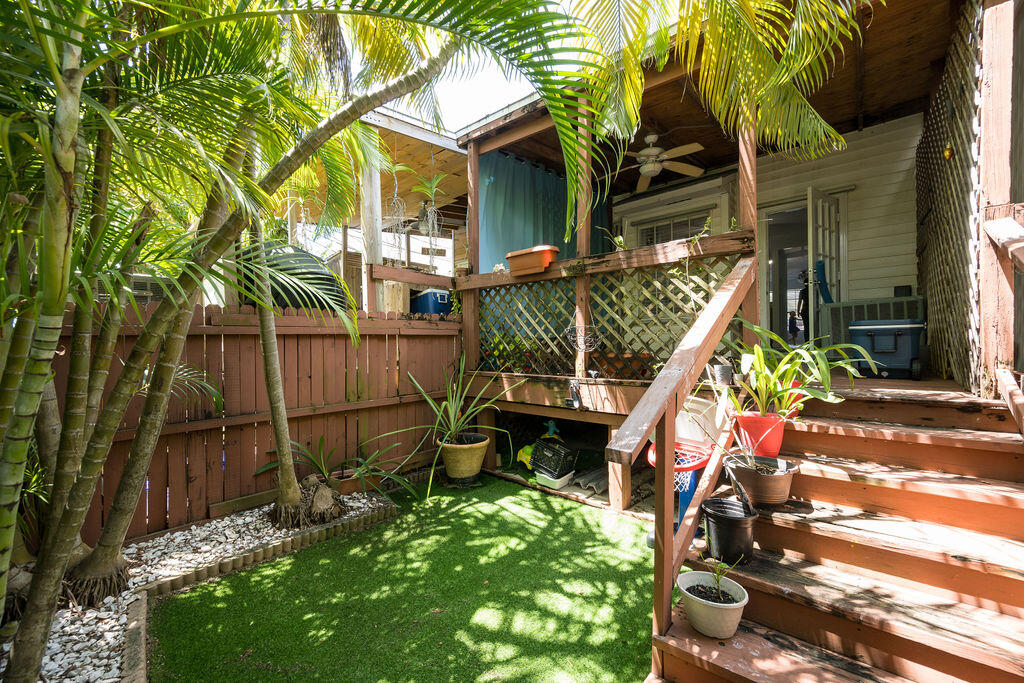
(620, 480)
(583, 248)
(471, 298)
(372, 228)
(486, 419)
(747, 219)
(664, 515)
(996, 187)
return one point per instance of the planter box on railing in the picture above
(532, 260)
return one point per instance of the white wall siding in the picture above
(881, 209)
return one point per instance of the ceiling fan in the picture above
(652, 159)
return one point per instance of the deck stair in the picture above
(899, 554)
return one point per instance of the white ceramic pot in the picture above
(711, 618)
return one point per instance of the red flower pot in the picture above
(763, 433)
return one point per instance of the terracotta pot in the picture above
(532, 260)
(764, 489)
(463, 461)
(763, 433)
(351, 485)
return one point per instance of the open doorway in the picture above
(787, 272)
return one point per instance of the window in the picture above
(673, 228)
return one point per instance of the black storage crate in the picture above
(552, 459)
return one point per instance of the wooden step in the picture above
(982, 569)
(907, 632)
(905, 404)
(756, 653)
(986, 505)
(973, 453)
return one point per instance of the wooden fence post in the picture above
(995, 174)
(471, 298)
(620, 480)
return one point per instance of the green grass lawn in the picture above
(498, 582)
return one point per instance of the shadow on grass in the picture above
(494, 583)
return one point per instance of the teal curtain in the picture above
(522, 204)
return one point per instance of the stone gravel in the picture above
(85, 644)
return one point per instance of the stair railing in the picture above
(1007, 238)
(655, 414)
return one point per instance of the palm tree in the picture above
(165, 135)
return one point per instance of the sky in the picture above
(465, 101)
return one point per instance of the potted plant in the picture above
(362, 472)
(532, 260)
(778, 380)
(713, 602)
(460, 447)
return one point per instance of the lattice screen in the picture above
(522, 327)
(947, 208)
(640, 315)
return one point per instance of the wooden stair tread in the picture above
(918, 395)
(950, 545)
(911, 479)
(971, 632)
(939, 436)
(758, 653)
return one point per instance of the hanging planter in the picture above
(532, 260)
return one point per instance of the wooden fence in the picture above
(334, 388)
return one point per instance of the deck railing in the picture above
(639, 303)
(655, 414)
(1004, 330)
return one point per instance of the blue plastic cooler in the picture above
(894, 344)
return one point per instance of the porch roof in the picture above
(890, 75)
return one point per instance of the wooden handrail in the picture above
(412, 277)
(684, 366)
(736, 242)
(1008, 235)
(1009, 390)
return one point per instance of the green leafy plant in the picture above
(718, 569)
(781, 379)
(457, 413)
(429, 186)
(364, 469)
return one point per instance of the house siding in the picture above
(880, 218)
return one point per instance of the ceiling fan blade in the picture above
(682, 150)
(635, 155)
(643, 184)
(685, 169)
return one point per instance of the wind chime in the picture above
(428, 215)
(395, 218)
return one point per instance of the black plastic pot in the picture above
(730, 530)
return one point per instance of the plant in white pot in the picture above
(454, 431)
(713, 602)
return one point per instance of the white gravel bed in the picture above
(85, 644)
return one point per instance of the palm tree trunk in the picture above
(30, 641)
(76, 393)
(104, 571)
(47, 431)
(287, 511)
(61, 173)
(110, 327)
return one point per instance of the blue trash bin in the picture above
(432, 302)
(894, 344)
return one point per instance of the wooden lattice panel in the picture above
(639, 315)
(522, 327)
(948, 208)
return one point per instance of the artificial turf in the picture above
(498, 582)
